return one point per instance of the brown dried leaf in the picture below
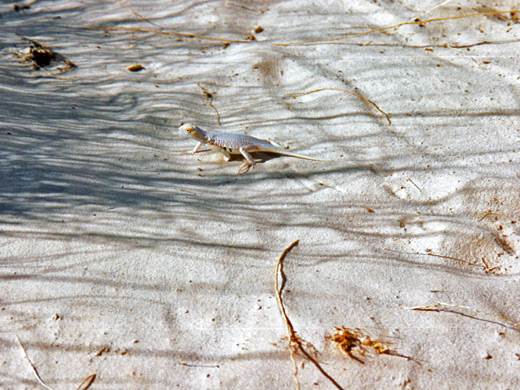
(87, 382)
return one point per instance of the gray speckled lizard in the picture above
(231, 143)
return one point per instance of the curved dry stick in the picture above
(209, 96)
(32, 366)
(171, 32)
(348, 91)
(450, 308)
(293, 337)
(123, 4)
(396, 26)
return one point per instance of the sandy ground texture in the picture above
(122, 257)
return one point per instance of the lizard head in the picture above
(194, 131)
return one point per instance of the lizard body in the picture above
(232, 143)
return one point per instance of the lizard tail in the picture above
(299, 156)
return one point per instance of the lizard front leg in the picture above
(195, 149)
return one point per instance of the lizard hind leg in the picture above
(224, 153)
(250, 161)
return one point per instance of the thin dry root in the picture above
(295, 343)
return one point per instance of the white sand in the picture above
(123, 258)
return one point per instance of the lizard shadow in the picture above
(260, 157)
(263, 157)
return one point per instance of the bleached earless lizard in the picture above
(231, 143)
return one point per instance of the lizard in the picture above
(231, 143)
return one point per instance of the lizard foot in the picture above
(244, 168)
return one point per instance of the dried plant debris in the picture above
(358, 345)
(41, 56)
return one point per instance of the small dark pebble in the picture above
(19, 8)
(135, 68)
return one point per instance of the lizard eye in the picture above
(188, 127)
